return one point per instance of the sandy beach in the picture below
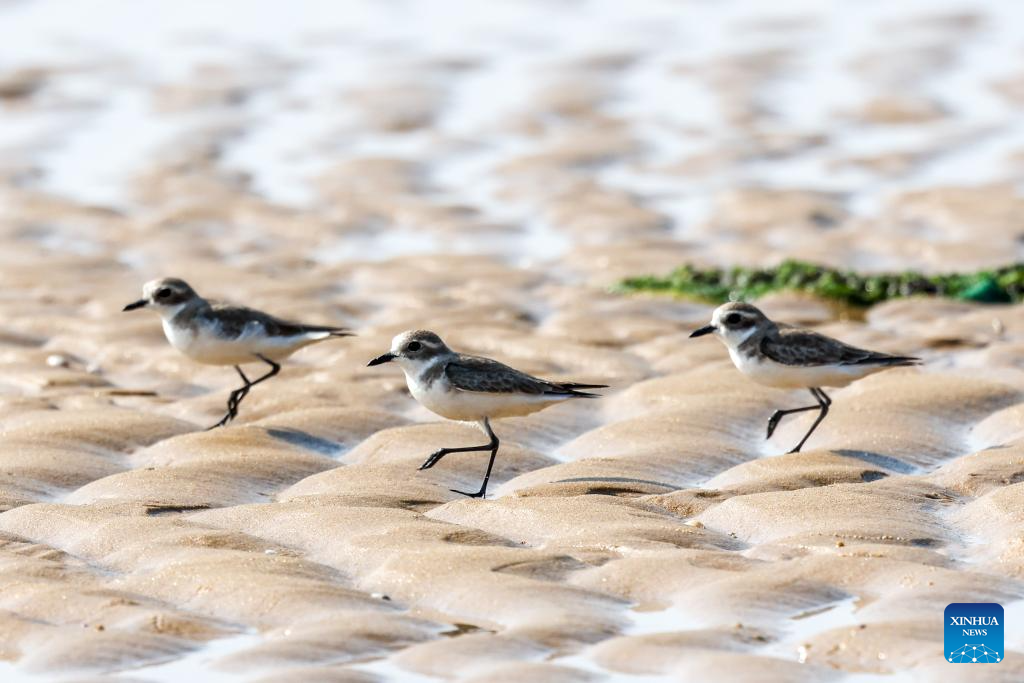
(490, 175)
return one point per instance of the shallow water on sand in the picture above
(197, 665)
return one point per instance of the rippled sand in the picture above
(487, 174)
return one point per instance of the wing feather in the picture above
(473, 373)
(806, 348)
(235, 319)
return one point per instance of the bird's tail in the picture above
(884, 360)
(318, 333)
(328, 330)
(900, 361)
(572, 389)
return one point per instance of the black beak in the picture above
(383, 358)
(707, 329)
(135, 304)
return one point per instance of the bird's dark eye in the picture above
(163, 293)
(733, 319)
(412, 346)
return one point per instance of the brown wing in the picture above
(233, 321)
(805, 348)
(473, 373)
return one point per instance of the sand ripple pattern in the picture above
(382, 166)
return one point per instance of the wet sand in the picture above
(488, 176)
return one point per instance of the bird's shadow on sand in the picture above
(605, 484)
(296, 437)
(883, 462)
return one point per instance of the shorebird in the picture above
(471, 389)
(790, 358)
(220, 334)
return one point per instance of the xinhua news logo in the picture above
(974, 633)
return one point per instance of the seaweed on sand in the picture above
(717, 285)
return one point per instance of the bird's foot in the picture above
(478, 494)
(433, 459)
(231, 414)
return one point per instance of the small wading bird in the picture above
(220, 334)
(471, 389)
(790, 358)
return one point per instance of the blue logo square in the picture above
(974, 633)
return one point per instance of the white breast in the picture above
(206, 344)
(766, 371)
(180, 338)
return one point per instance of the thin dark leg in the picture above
(824, 401)
(236, 397)
(493, 445)
(238, 394)
(233, 400)
(441, 452)
(274, 369)
(777, 416)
